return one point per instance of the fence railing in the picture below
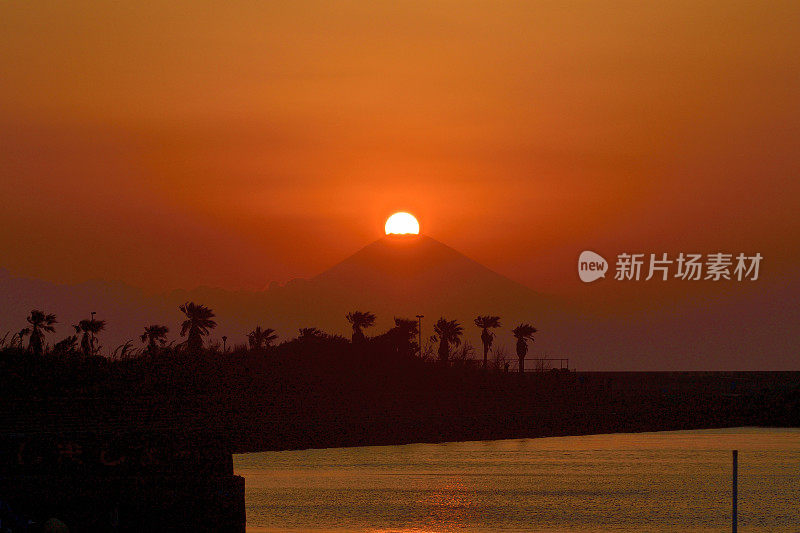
(542, 364)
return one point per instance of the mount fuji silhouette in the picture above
(395, 276)
(413, 274)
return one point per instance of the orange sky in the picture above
(232, 144)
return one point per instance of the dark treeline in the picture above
(321, 390)
(199, 321)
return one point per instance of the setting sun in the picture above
(402, 223)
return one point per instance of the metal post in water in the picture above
(735, 488)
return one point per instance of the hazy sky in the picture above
(171, 144)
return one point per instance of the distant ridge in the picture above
(417, 270)
(412, 258)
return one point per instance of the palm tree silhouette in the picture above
(90, 328)
(261, 338)
(524, 333)
(447, 332)
(154, 335)
(359, 320)
(487, 337)
(40, 322)
(198, 323)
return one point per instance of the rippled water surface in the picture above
(667, 481)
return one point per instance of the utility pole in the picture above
(419, 331)
(92, 321)
(735, 490)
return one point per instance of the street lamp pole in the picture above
(419, 331)
(92, 321)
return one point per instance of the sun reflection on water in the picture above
(625, 483)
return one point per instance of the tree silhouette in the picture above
(487, 337)
(68, 345)
(261, 338)
(524, 333)
(90, 328)
(197, 324)
(154, 335)
(447, 332)
(311, 333)
(402, 336)
(40, 323)
(360, 320)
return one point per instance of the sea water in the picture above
(666, 481)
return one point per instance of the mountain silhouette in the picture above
(395, 276)
(414, 274)
(407, 275)
(409, 259)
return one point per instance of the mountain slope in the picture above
(396, 276)
(415, 273)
